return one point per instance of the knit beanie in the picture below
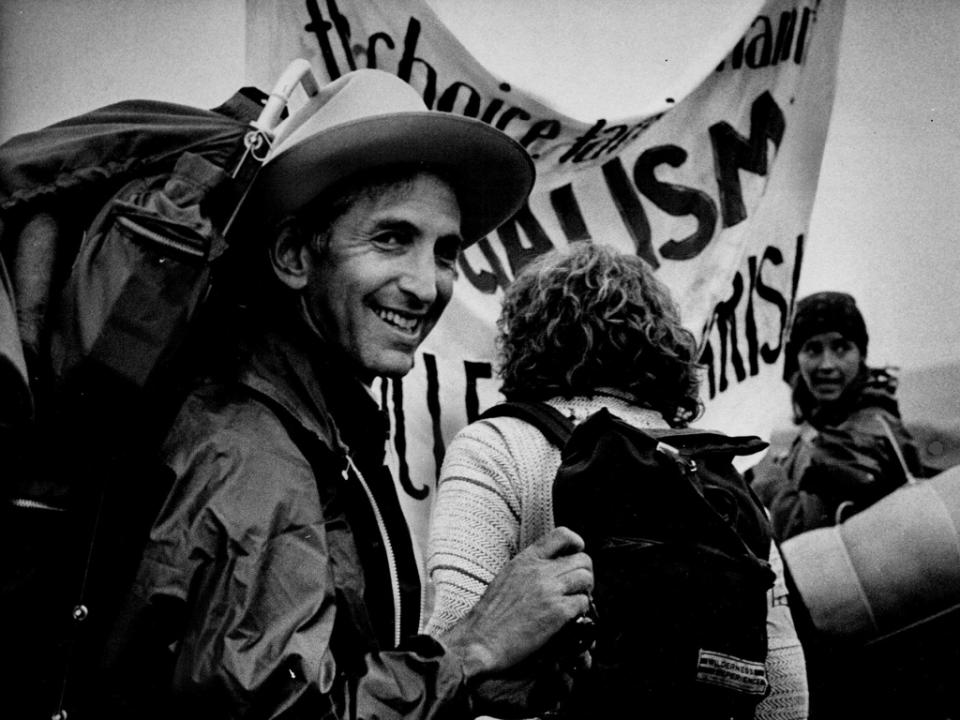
(820, 313)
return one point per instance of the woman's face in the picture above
(828, 364)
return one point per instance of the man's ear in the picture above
(291, 259)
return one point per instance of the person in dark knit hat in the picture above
(842, 461)
(821, 313)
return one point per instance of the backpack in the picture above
(114, 224)
(679, 546)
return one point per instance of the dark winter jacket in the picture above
(274, 569)
(839, 464)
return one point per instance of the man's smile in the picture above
(405, 322)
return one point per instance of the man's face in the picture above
(387, 273)
(828, 364)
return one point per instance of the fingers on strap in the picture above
(558, 542)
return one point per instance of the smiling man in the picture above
(279, 579)
(382, 273)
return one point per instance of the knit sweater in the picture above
(494, 498)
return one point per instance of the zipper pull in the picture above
(688, 463)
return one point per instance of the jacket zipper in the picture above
(388, 547)
(177, 245)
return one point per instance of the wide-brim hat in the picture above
(368, 119)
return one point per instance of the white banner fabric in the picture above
(713, 186)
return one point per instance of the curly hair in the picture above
(588, 317)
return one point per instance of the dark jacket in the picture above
(275, 565)
(839, 464)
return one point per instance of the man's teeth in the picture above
(400, 321)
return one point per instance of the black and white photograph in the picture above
(500, 360)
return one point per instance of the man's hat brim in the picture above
(491, 173)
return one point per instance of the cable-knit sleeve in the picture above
(475, 522)
(789, 697)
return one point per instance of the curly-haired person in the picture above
(582, 328)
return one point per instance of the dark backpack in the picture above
(113, 224)
(679, 546)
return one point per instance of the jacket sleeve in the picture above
(794, 510)
(844, 469)
(257, 591)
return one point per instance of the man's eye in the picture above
(390, 239)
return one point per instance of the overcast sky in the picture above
(887, 213)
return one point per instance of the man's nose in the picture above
(418, 277)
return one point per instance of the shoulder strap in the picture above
(547, 419)
(891, 438)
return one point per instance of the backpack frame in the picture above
(112, 223)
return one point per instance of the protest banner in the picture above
(712, 184)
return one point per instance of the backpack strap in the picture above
(554, 425)
(891, 438)
(697, 442)
(557, 428)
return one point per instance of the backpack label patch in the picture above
(731, 672)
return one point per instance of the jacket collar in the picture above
(284, 361)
